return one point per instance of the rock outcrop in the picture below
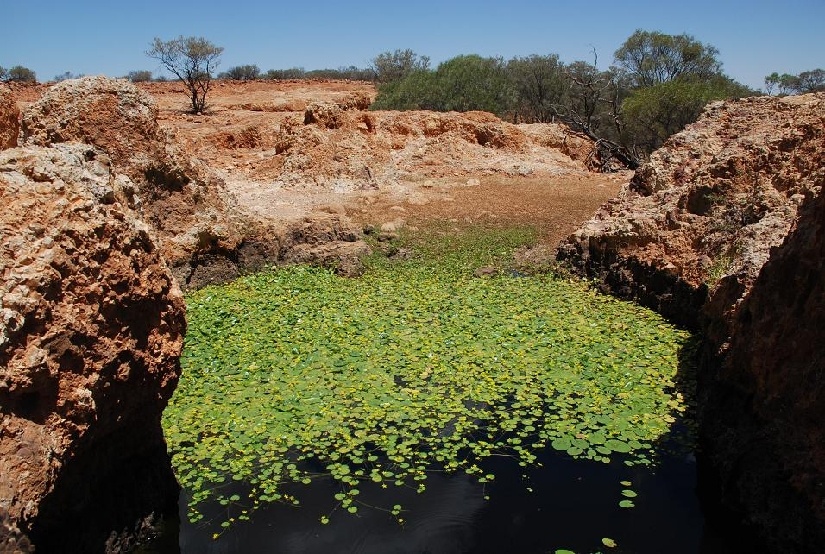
(204, 236)
(698, 220)
(9, 119)
(91, 327)
(722, 231)
(193, 216)
(345, 149)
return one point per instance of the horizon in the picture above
(91, 37)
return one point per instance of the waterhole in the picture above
(422, 409)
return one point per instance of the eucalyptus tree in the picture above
(394, 66)
(192, 60)
(807, 81)
(241, 73)
(540, 87)
(652, 57)
(19, 74)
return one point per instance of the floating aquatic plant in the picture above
(294, 373)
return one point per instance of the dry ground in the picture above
(555, 204)
(237, 139)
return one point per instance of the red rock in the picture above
(179, 198)
(724, 189)
(723, 231)
(763, 403)
(91, 327)
(9, 119)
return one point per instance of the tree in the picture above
(284, 74)
(67, 75)
(807, 81)
(593, 107)
(785, 83)
(470, 82)
(140, 76)
(20, 74)
(192, 60)
(3, 73)
(812, 81)
(241, 73)
(394, 66)
(540, 87)
(417, 91)
(652, 114)
(651, 58)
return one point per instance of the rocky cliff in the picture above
(763, 403)
(721, 231)
(101, 215)
(91, 327)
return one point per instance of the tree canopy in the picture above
(652, 114)
(807, 81)
(652, 58)
(659, 84)
(18, 73)
(539, 87)
(392, 66)
(241, 73)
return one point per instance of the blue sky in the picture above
(110, 37)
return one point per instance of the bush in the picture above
(652, 114)
(394, 66)
(417, 91)
(241, 73)
(20, 74)
(540, 87)
(462, 84)
(66, 76)
(285, 74)
(141, 76)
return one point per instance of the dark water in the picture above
(564, 504)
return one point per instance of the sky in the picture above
(110, 37)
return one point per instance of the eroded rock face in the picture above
(191, 212)
(91, 327)
(763, 405)
(347, 149)
(723, 231)
(699, 220)
(111, 114)
(9, 119)
(203, 235)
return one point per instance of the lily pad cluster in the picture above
(296, 373)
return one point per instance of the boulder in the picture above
(324, 114)
(112, 114)
(202, 233)
(9, 119)
(91, 327)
